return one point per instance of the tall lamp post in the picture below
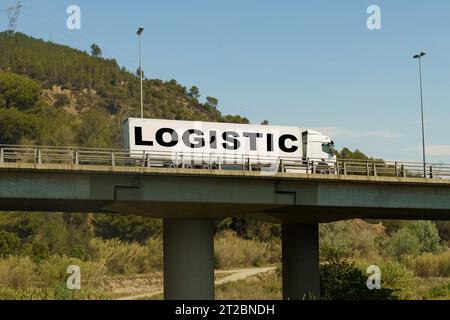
(419, 57)
(141, 75)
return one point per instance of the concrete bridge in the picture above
(189, 200)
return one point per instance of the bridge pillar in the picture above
(188, 259)
(300, 254)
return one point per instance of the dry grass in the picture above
(430, 265)
(54, 269)
(265, 286)
(129, 258)
(232, 252)
(16, 272)
(124, 285)
(23, 279)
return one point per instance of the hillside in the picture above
(55, 95)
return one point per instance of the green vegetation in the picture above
(126, 228)
(355, 155)
(18, 92)
(416, 238)
(9, 243)
(442, 292)
(341, 280)
(54, 95)
(95, 50)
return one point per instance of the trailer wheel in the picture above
(173, 166)
(206, 167)
(188, 166)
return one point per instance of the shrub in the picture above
(393, 226)
(39, 250)
(337, 235)
(127, 227)
(16, 125)
(403, 243)
(250, 229)
(343, 280)
(444, 230)
(415, 238)
(398, 279)
(61, 100)
(79, 252)
(96, 131)
(351, 240)
(18, 91)
(428, 235)
(9, 243)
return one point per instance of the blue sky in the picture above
(312, 64)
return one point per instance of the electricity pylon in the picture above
(13, 14)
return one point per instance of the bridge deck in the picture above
(192, 193)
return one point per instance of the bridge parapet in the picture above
(89, 157)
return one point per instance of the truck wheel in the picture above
(173, 166)
(188, 166)
(323, 168)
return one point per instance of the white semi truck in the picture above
(209, 145)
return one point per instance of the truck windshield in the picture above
(328, 148)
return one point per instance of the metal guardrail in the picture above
(127, 158)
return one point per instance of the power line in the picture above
(13, 15)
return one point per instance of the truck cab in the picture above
(318, 147)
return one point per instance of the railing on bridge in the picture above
(117, 158)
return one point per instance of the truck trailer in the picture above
(214, 145)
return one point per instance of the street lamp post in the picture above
(141, 75)
(420, 56)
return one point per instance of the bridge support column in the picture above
(188, 259)
(300, 252)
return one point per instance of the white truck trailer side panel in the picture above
(201, 141)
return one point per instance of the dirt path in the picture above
(242, 274)
(142, 295)
(234, 275)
